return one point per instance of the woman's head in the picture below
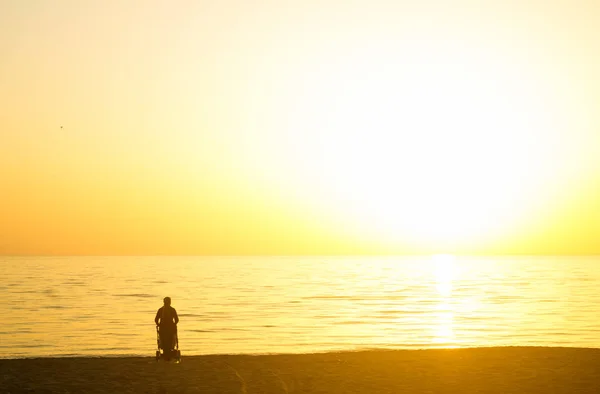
(167, 301)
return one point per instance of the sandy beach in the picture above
(482, 370)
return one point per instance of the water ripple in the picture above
(138, 295)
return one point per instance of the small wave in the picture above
(24, 345)
(50, 293)
(401, 312)
(201, 330)
(238, 339)
(102, 349)
(506, 298)
(563, 334)
(472, 318)
(136, 295)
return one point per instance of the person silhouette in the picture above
(166, 320)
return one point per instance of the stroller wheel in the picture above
(178, 356)
(157, 355)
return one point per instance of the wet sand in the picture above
(483, 370)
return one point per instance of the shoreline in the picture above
(360, 350)
(461, 370)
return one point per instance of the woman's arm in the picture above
(157, 318)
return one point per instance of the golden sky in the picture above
(299, 127)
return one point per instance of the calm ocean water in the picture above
(106, 305)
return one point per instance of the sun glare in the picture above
(432, 144)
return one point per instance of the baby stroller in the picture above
(168, 354)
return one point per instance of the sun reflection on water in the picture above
(444, 271)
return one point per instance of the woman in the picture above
(166, 319)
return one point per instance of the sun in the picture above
(439, 146)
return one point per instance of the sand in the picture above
(483, 370)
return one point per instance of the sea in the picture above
(105, 306)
